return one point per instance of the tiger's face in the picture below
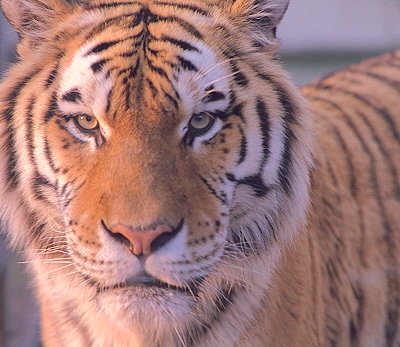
(163, 144)
(146, 139)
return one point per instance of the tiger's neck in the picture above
(223, 319)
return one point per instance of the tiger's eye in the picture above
(87, 122)
(201, 121)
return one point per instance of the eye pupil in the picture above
(86, 122)
(201, 121)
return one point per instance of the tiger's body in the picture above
(171, 187)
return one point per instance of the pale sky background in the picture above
(327, 25)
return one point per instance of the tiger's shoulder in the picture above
(339, 279)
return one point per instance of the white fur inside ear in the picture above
(261, 17)
(33, 17)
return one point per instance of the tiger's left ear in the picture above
(259, 17)
(31, 19)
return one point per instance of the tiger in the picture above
(170, 186)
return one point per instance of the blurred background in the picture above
(317, 37)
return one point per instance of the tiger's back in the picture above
(358, 200)
(340, 281)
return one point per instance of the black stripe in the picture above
(236, 242)
(382, 111)
(49, 157)
(371, 172)
(156, 69)
(392, 165)
(13, 95)
(285, 166)
(213, 95)
(152, 87)
(377, 141)
(8, 114)
(53, 107)
(243, 146)
(61, 124)
(265, 129)
(393, 64)
(29, 130)
(109, 99)
(98, 66)
(395, 85)
(181, 44)
(186, 64)
(107, 23)
(212, 190)
(345, 150)
(12, 169)
(156, 52)
(72, 96)
(237, 110)
(256, 183)
(393, 276)
(54, 73)
(332, 174)
(111, 4)
(52, 76)
(145, 16)
(103, 46)
(192, 8)
(284, 98)
(155, 18)
(63, 189)
(171, 99)
(133, 70)
(129, 54)
(127, 96)
(38, 182)
(239, 77)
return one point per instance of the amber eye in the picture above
(201, 122)
(86, 122)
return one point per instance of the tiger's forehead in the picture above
(153, 56)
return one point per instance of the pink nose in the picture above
(141, 240)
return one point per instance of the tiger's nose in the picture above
(143, 242)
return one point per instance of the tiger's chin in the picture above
(159, 311)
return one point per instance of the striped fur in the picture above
(285, 219)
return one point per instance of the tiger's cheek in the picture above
(223, 153)
(69, 156)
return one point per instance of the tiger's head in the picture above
(156, 148)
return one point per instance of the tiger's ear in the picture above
(259, 17)
(30, 18)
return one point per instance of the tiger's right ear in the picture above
(259, 18)
(31, 18)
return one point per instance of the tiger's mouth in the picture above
(147, 282)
